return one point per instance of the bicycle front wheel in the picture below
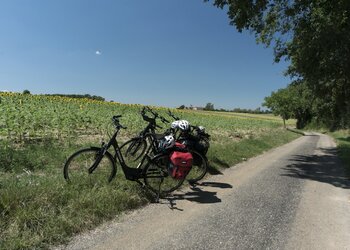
(199, 167)
(76, 168)
(157, 178)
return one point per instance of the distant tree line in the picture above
(87, 96)
(252, 111)
(210, 107)
(247, 111)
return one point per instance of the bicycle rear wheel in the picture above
(133, 151)
(76, 168)
(199, 167)
(157, 178)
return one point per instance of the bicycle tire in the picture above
(76, 168)
(133, 151)
(157, 177)
(199, 167)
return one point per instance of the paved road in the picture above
(293, 197)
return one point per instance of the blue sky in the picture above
(154, 52)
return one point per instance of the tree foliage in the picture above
(250, 111)
(295, 101)
(209, 106)
(280, 104)
(314, 35)
(87, 96)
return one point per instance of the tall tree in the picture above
(313, 34)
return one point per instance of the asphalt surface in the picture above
(292, 197)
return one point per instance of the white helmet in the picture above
(167, 142)
(174, 124)
(184, 125)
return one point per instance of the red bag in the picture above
(181, 164)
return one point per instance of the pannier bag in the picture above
(180, 164)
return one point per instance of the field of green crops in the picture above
(37, 134)
(25, 117)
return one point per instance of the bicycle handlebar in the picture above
(152, 119)
(116, 122)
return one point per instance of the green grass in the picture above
(271, 117)
(230, 153)
(343, 143)
(39, 209)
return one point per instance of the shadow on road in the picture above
(215, 184)
(325, 167)
(198, 194)
(214, 171)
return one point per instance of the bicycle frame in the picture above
(130, 173)
(149, 133)
(133, 174)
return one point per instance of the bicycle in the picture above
(147, 140)
(147, 143)
(96, 165)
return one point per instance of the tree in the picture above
(181, 107)
(209, 106)
(302, 103)
(280, 104)
(294, 101)
(26, 92)
(314, 35)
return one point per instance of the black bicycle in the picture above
(147, 143)
(96, 165)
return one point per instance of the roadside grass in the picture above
(228, 154)
(39, 209)
(270, 117)
(342, 138)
